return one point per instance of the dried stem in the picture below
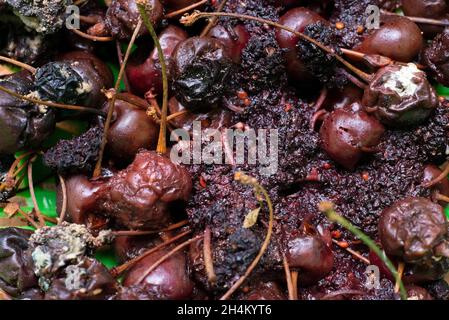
(19, 64)
(419, 20)
(192, 18)
(441, 197)
(208, 259)
(28, 218)
(120, 60)
(288, 278)
(33, 194)
(166, 256)
(328, 209)
(122, 268)
(295, 284)
(4, 295)
(112, 99)
(91, 37)
(401, 267)
(354, 253)
(162, 142)
(176, 114)
(143, 233)
(179, 12)
(64, 200)
(259, 190)
(51, 104)
(214, 20)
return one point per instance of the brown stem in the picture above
(192, 18)
(16, 162)
(19, 64)
(419, 20)
(91, 37)
(441, 197)
(208, 259)
(288, 277)
(166, 256)
(295, 284)
(354, 253)
(107, 123)
(51, 104)
(33, 194)
(120, 60)
(443, 175)
(89, 19)
(176, 114)
(185, 9)
(64, 200)
(28, 218)
(127, 233)
(319, 102)
(354, 80)
(4, 295)
(401, 267)
(214, 20)
(122, 268)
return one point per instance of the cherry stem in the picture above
(353, 252)
(258, 189)
(419, 20)
(288, 278)
(322, 97)
(185, 9)
(4, 296)
(161, 148)
(207, 253)
(64, 200)
(143, 233)
(89, 19)
(441, 197)
(328, 209)
(166, 256)
(33, 194)
(401, 267)
(192, 18)
(29, 219)
(295, 284)
(16, 162)
(443, 175)
(120, 60)
(122, 268)
(19, 64)
(112, 99)
(176, 114)
(91, 37)
(214, 20)
(51, 104)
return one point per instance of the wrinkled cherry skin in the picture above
(81, 199)
(147, 75)
(415, 230)
(93, 71)
(131, 129)
(433, 9)
(169, 281)
(139, 197)
(16, 269)
(345, 132)
(297, 19)
(310, 253)
(432, 172)
(265, 291)
(417, 293)
(234, 40)
(392, 109)
(398, 38)
(122, 17)
(436, 57)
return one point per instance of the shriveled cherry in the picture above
(147, 75)
(435, 56)
(234, 40)
(347, 133)
(432, 172)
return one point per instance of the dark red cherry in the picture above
(346, 134)
(131, 129)
(169, 281)
(417, 293)
(81, 199)
(147, 75)
(436, 57)
(122, 17)
(432, 172)
(265, 291)
(234, 40)
(398, 38)
(128, 247)
(297, 19)
(309, 252)
(415, 230)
